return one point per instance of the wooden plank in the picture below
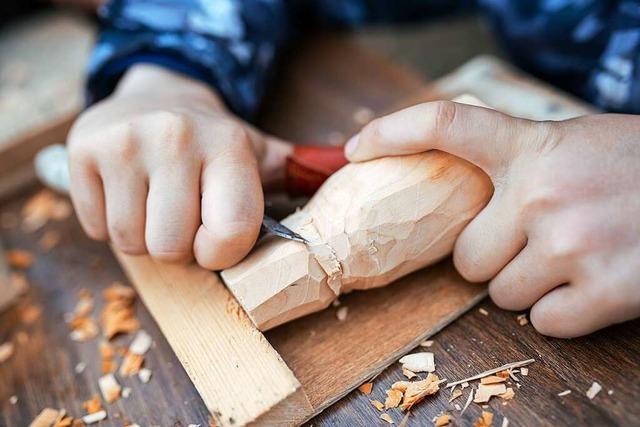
(238, 374)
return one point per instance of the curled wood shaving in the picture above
(486, 391)
(442, 420)
(468, 402)
(418, 390)
(19, 259)
(493, 379)
(386, 417)
(409, 374)
(485, 420)
(6, 351)
(366, 388)
(393, 398)
(493, 371)
(109, 388)
(419, 362)
(594, 390)
(378, 405)
(400, 385)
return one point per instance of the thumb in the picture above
(483, 136)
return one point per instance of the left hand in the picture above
(561, 233)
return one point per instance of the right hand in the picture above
(161, 167)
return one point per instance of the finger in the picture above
(482, 136)
(126, 195)
(490, 240)
(173, 212)
(526, 279)
(578, 309)
(232, 209)
(87, 196)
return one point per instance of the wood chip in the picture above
(126, 392)
(427, 343)
(109, 388)
(342, 313)
(493, 371)
(393, 398)
(386, 417)
(49, 240)
(419, 362)
(131, 364)
(485, 420)
(594, 390)
(30, 314)
(522, 319)
(442, 420)
(505, 422)
(141, 343)
(94, 417)
(6, 351)
(366, 388)
(13, 399)
(468, 402)
(564, 393)
(458, 407)
(486, 391)
(483, 311)
(92, 405)
(118, 315)
(43, 207)
(144, 375)
(409, 374)
(378, 405)
(492, 379)
(508, 395)
(524, 371)
(45, 418)
(19, 259)
(400, 385)
(418, 390)
(107, 355)
(80, 367)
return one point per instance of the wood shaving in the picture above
(118, 315)
(45, 418)
(468, 402)
(377, 404)
(94, 417)
(131, 364)
(483, 311)
(485, 392)
(342, 313)
(455, 394)
(92, 405)
(524, 371)
(386, 417)
(458, 407)
(80, 367)
(126, 392)
(442, 420)
(366, 388)
(594, 390)
(43, 207)
(508, 395)
(83, 327)
(49, 240)
(145, 375)
(493, 371)
(409, 374)
(419, 362)
(427, 343)
(107, 355)
(522, 319)
(492, 379)
(418, 390)
(109, 388)
(485, 420)
(400, 385)
(564, 393)
(19, 259)
(393, 398)
(6, 351)
(505, 422)
(30, 314)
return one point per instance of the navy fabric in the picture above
(589, 47)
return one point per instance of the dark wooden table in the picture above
(41, 372)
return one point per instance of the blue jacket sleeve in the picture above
(229, 44)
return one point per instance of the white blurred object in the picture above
(52, 167)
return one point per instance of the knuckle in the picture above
(467, 264)
(121, 142)
(444, 116)
(566, 241)
(125, 238)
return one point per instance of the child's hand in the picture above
(161, 167)
(561, 233)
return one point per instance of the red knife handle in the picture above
(309, 166)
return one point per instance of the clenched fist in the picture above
(162, 167)
(561, 233)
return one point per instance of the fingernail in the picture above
(352, 145)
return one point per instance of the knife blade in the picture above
(273, 227)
